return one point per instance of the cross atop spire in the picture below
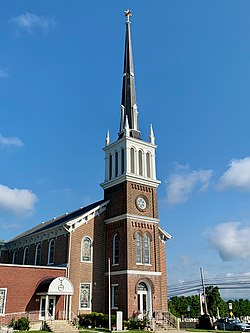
(128, 13)
(128, 103)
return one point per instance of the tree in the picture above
(214, 302)
(178, 306)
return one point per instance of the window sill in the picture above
(139, 264)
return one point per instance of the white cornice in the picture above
(132, 178)
(34, 266)
(134, 272)
(84, 218)
(132, 217)
(129, 139)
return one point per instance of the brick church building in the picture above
(110, 254)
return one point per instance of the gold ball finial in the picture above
(128, 13)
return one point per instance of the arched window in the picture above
(26, 256)
(115, 247)
(116, 164)
(14, 257)
(110, 166)
(122, 162)
(146, 249)
(38, 255)
(51, 253)
(86, 249)
(140, 162)
(148, 165)
(138, 240)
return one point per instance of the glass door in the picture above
(51, 307)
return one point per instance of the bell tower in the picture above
(135, 243)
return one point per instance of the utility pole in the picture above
(204, 291)
(109, 291)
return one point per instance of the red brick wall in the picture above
(89, 272)
(164, 291)
(21, 283)
(123, 200)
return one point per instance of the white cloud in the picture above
(17, 200)
(237, 175)
(10, 141)
(184, 181)
(7, 226)
(4, 72)
(230, 240)
(31, 22)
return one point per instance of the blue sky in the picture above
(60, 90)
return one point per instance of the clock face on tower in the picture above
(141, 203)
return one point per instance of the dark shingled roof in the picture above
(58, 220)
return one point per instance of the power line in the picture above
(222, 282)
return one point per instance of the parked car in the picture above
(229, 324)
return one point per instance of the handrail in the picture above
(167, 318)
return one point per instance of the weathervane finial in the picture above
(128, 14)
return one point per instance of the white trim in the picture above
(32, 266)
(165, 234)
(131, 139)
(132, 217)
(84, 218)
(132, 178)
(134, 272)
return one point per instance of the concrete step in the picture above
(61, 326)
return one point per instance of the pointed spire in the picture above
(128, 103)
(151, 136)
(107, 140)
(126, 128)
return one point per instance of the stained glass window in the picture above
(86, 249)
(51, 255)
(85, 296)
(146, 249)
(116, 249)
(3, 292)
(38, 254)
(115, 296)
(138, 248)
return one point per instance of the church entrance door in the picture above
(144, 299)
(50, 308)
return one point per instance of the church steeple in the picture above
(128, 103)
(129, 158)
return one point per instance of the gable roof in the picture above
(57, 221)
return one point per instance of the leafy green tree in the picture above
(240, 307)
(178, 306)
(214, 302)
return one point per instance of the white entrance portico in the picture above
(49, 289)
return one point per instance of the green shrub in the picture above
(22, 324)
(95, 319)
